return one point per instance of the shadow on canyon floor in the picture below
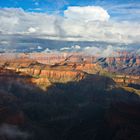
(136, 86)
(91, 109)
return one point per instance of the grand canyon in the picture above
(69, 96)
(69, 69)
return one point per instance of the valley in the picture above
(69, 98)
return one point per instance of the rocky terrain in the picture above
(68, 99)
(121, 62)
(123, 68)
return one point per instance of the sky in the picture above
(31, 23)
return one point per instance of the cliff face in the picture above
(138, 60)
(53, 75)
(127, 79)
(124, 62)
(115, 60)
(42, 75)
(89, 68)
(45, 75)
(63, 68)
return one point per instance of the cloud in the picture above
(106, 51)
(32, 30)
(128, 11)
(76, 47)
(72, 48)
(22, 22)
(12, 132)
(87, 13)
(47, 50)
(65, 48)
(138, 52)
(89, 23)
(101, 52)
(39, 47)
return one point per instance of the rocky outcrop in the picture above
(41, 75)
(138, 60)
(89, 68)
(127, 79)
(45, 75)
(74, 67)
(62, 76)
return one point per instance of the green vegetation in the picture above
(36, 76)
(108, 74)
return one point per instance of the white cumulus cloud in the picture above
(87, 13)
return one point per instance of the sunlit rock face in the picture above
(138, 60)
(65, 67)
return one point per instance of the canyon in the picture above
(123, 67)
(70, 97)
